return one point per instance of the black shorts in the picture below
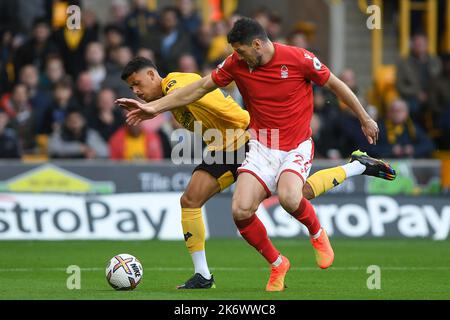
(223, 165)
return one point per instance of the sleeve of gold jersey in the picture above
(225, 109)
(176, 80)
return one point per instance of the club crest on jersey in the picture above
(284, 72)
(170, 84)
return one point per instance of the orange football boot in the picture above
(276, 280)
(323, 250)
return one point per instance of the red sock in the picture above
(306, 215)
(255, 233)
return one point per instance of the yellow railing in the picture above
(406, 6)
(446, 40)
(377, 35)
(430, 8)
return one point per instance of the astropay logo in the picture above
(371, 216)
(119, 216)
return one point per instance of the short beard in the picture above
(258, 60)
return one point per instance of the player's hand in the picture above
(128, 104)
(137, 112)
(370, 130)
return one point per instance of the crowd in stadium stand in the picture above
(58, 86)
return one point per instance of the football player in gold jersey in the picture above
(216, 112)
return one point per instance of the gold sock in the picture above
(326, 179)
(193, 229)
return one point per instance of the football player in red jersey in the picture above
(275, 81)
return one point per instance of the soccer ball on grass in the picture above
(124, 272)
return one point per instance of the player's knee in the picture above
(242, 210)
(189, 201)
(308, 192)
(289, 199)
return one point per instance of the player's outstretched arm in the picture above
(344, 93)
(179, 97)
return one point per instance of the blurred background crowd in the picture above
(58, 86)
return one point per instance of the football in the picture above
(124, 272)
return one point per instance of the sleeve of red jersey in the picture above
(313, 69)
(222, 76)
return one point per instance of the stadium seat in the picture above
(444, 156)
(42, 150)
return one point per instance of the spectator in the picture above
(400, 136)
(201, 43)
(170, 42)
(274, 29)
(348, 76)
(54, 72)
(113, 36)
(7, 48)
(298, 39)
(133, 143)
(106, 119)
(72, 44)
(414, 75)
(9, 143)
(95, 56)
(191, 22)
(63, 102)
(121, 57)
(188, 64)
(39, 99)
(76, 140)
(139, 24)
(37, 48)
(84, 93)
(146, 53)
(440, 103)
(219, 48)
(262, 15)
(327, 116)
(119, 11)
(189, 18)
(17, 106)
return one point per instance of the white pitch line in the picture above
(174, 269)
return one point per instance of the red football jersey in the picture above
(278, 95)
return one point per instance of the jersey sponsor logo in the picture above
(284, 72)
(170, 84)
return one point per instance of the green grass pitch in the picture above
(410, 269)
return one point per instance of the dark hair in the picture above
(245, 30)
(112, 28)
(65, 83)
(39, 21)
(136, 64)
(173, 9)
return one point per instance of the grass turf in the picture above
(410, 269)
